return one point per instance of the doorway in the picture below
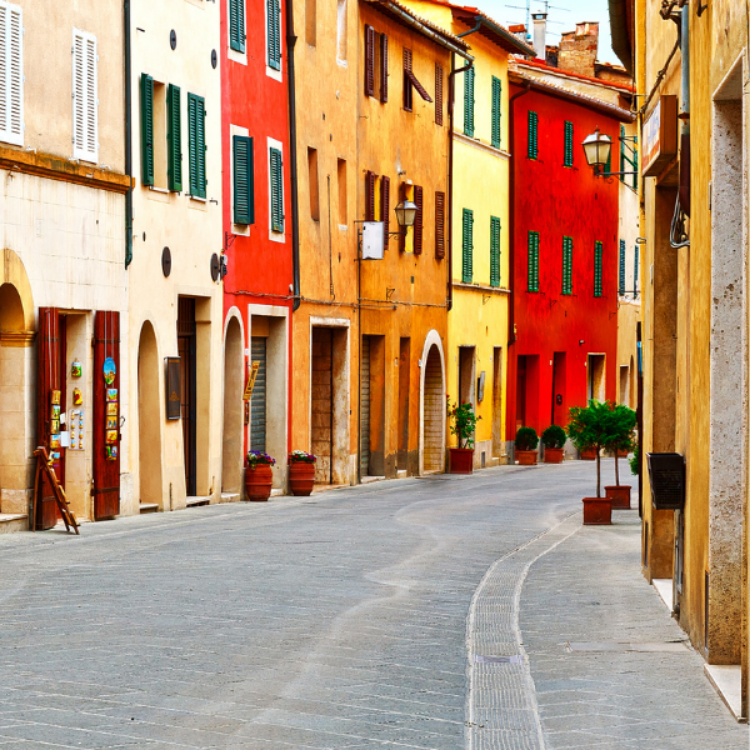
(259, 398)
(372, 406)
(559, 386)
(149, 420)
(498, 448)
(434, 412)
(404, 381)
(466, 372)
(234, 361)
(624, 391)
(597, 380)
(186, 349)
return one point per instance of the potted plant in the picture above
(463, 424)
(587, 454)
(590, 427)
(526, 443)
(553, 439)
(301, 472)
(622, 436)
(258, 476)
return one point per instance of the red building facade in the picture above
(258, 231)
(563, 337)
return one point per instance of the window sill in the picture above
(155, 189)
(197, 199)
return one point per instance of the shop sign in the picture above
(659, 137)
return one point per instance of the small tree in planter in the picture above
(463, 424)
(553, 439)
(258, 476)
(526, 443)
(301, 472)
(622, 432)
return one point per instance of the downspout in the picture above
(685, 111)
(291, 41)
(128, 142)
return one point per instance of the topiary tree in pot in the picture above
(553, 439)
(526, 443)
(463, 424)
(622, 439)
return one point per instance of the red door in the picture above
(106, 423)
(50, 387)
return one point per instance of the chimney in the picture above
(540, 35)
(578, 49)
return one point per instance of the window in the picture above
(418, 220)
(598, 269)
(159, 141)
(383, 67)
(370, 182)
(237, 25)
(385, 208)
(341, 171)
(469, 102)
(369, 61)
(85, 102)
(376, 64)
(408, 93)
(273, 8)
(197, 145)
(533, 144)
(621, 285)
(276, 175)
(11, 74)
(174, 139)
(440, 225)
(341, 35)
(243, 172)
(147, 130)
(311, 22)
(467, 247)
(567, 269)
(635, 270)
(438, 94)
(497, 108)
(568, 145)
(314, 187)
(533, 262)
(494, 251)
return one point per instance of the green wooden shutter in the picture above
(467, 265)
(598, 269)
(244, 198)
(567, 285)
(274, 34)
(197, 145)
(635, 271)
(608, 165)
(568, 158)
(533, 262)
(174, 139)
(147, 129)
(533, 143)
(622, 267)
(277, 191)
(494, 251)
(497, 108)
(237, 25)
(469, 102)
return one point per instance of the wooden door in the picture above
(106, 415)
(50, 379)
(258, 401)
(364, 407)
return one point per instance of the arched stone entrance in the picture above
(232, 448)
(149, 420)
(432, 406)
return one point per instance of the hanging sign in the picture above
(76, 369)
(659, 138)
(253, 374)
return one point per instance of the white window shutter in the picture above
(11, 74)
(85, 103)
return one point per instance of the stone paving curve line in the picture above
(501, 705)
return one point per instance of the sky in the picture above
(563, 16)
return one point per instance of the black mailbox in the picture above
(666, 472)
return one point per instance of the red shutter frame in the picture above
(419, 220)
(438, 94)
(385, 208)
(369, 61)
(440, 225)
(370, 179)
(106, 471)
(383, 68)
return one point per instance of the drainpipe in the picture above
(684, 193)
(128, 142)
(291, 41)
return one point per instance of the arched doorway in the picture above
(232, 448)
(149, 421)
(433, 424)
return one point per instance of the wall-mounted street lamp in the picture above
(373, 237)
(406, 215)
(597, 148)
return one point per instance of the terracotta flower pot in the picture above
(258, 482)
(301, 478)
(622, 454)
(462, 460)
(597, 511)
(553, 455)
(526, 458)
(619, 495)
(589, 454)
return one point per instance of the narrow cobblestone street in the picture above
(340, 621)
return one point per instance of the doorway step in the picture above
(230, 497)
(149, 508)
(12, 522)
(195, 501)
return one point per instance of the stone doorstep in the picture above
(369, 480)
(663, 587)
(192, 502)
(13, 522)
(230, 497)
(727, 680)
(149, 508)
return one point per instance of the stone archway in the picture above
(232, 447)
(432, 406)
(149, 421)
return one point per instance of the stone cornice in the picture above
(17, 338)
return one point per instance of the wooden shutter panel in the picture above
(408, 93)
(635, 270)
(11, 74)
(532, 147)
(403, 191)
(197, 149)
(469, 102)
(274, 34)
(568, 159)
(440, 225)
(147, 129)
(174, 139)
(622, 267)
(467, 246)
(385, 208)
(106, 467)
(370, 178)
(567, 285)
(244, 199)
(383, 68)
(533, 262)
(494, 251)
(277, 191)
(237, 25)
(85, 104)
(369, 61)
(598, 269)
(438, 94)
(419, 220)
(497, 101)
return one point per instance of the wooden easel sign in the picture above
(252, 375)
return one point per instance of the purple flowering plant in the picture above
(259, 458)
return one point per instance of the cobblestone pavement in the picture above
(340, 621)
